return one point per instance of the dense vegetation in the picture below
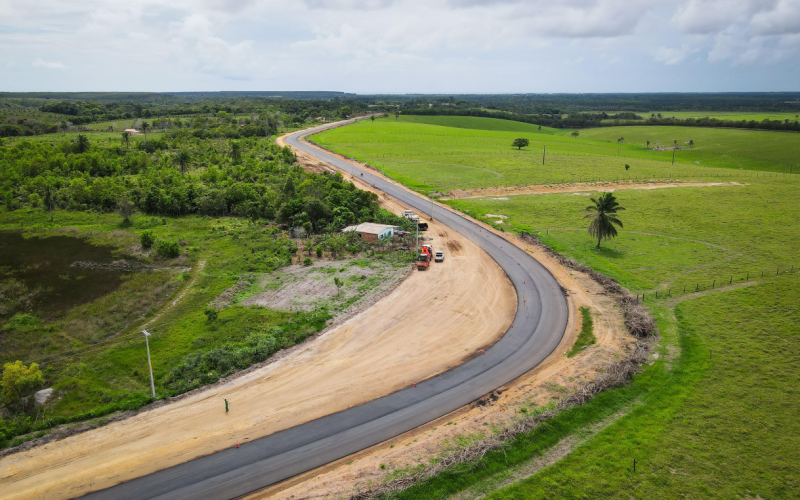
(192, 169)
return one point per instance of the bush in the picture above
(147, 238)
(20, 380)
(211, 314)
(307, 261)
(168, 249)
(319, 250)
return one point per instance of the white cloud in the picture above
(402, 45)
(41, 63)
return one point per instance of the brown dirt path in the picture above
(432, 322)
(578, 187)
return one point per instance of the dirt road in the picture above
(388, 347)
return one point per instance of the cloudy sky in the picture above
(400, 46)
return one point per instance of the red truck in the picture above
(425, 257)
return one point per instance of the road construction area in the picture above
(433, 321)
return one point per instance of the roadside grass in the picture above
(94, 355)
(447, 153)
(731, 433)
(586, 337)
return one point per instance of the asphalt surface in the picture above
(537, 329)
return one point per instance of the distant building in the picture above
(132, 131)
(371, 232)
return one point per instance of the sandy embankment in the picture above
(433, 321)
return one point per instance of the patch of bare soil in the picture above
(577, 188)
(306, 288)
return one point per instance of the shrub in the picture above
(319, 250)
(211, 314)
(147, 238)
(168, 249)
(307, 261)
(20, 380)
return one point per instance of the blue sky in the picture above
(388, 46)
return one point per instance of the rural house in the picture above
(371, 232)
(131, 131)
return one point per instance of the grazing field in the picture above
(723, 115)
(426, 155)
(714, 414)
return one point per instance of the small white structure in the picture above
(132, 131)
(370, 231)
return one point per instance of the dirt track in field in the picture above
(578, 187)
(433, 321)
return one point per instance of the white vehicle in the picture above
(439, 256)
(406, 213)
(410, 215)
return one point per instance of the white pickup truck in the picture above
(408, 214)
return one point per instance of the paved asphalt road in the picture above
(537, 329)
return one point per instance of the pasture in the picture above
(714, 415)
(469, 153)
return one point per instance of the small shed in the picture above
(371, 232)
(131, 131)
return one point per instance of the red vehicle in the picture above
(424, 258)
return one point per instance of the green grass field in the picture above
(715, 415)
(445, 153)
(723, 115)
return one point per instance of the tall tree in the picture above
(145, 128)
(183, 158)
(236, 151)
(82, 143)
(126, 139)
(396, 115)
(604, 216)
(619, 144)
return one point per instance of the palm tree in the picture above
(126, 139)
(145, 128)
(236, 151)
(603, 215)
(648, 144)
(619, 144)
(82, 143)
(183, 158)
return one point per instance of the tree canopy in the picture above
(603, 217)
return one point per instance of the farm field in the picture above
(723, 115)
(713, 416)
(476, 152)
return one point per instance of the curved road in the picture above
(537, 329)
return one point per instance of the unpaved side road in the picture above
(432, 322)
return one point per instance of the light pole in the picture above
(149, 364)
(432, 204)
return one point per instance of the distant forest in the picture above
(36, 113)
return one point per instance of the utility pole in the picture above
(432, 204)
(673, 157)
(544, 151)
(149, 364)
(417, 237)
